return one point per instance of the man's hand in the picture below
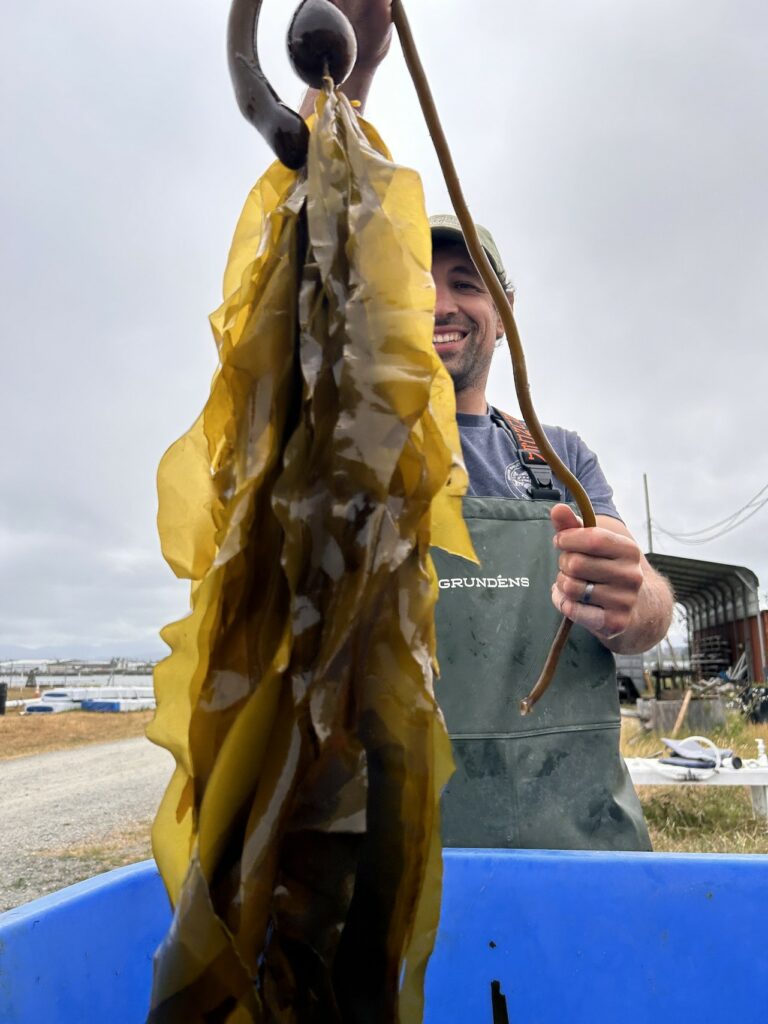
(630, 606)
(372, 22)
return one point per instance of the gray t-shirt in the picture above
(495, 470)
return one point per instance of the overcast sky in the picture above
(617, 149)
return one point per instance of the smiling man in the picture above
(467, 325)
(555, 779)
(630, 605)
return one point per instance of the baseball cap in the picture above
(446, 227)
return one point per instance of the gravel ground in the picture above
(69, 814)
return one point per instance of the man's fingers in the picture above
(598, 541)
(602, 595)
(590, 569)
(602, 623)
(564, 518)
(372, 22)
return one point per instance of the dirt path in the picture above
(69, 814)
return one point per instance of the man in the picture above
(554, 780)
(630, 605)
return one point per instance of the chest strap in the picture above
(533, 462)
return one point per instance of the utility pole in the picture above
(648, 513)
(659, 663)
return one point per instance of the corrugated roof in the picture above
(696, 581)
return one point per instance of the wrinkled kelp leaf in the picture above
(299, 836)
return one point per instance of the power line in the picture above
(728, 518)
(732, 521)
(720, 522)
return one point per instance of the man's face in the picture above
(467, 324)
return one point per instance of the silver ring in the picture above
(586, 597)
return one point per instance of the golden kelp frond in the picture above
(299, 838)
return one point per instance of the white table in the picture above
(646, 771)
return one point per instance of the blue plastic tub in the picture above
(573, 938)
(101, 705)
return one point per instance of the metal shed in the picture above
(722, 609)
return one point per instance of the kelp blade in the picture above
(299, 838)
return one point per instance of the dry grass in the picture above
(712, 819)
(718, 819)
(738, 734)
(123, 846)
(49, 870)
(22, 735)
(681, 819)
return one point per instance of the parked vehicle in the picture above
(630, 677)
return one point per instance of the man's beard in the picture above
(469, 366)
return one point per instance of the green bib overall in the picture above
(551, 780)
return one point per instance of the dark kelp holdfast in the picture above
(321, 42)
